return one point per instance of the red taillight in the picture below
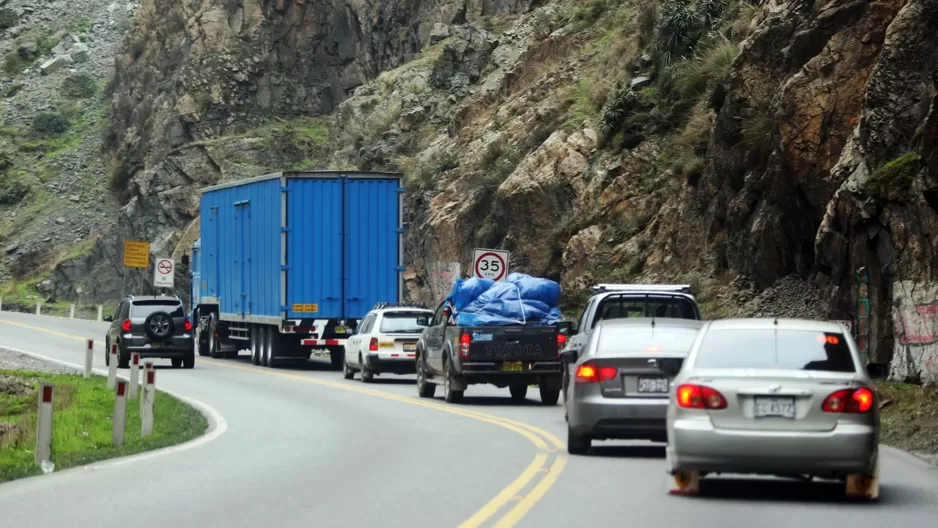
(691, 396)
(187, 325)
(373, 346)
(849, 401)
(561, 341)
(590, 373)
(125, 326)
(464, 340)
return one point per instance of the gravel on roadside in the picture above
(11, 360)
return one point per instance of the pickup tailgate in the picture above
(512, 343)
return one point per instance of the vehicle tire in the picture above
(214, 347)
(337, 356)
(123, 358)
(450, 395)
(107, 353)
(270, 361)
(200, 343)
(158, 326)
(367, 376)
(347, 371)
(424, 388)
(177, 362)
(577, 444)
(257, 348)
(518, 391)
(549, 396)
(188, 362)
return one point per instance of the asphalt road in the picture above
(303, 447)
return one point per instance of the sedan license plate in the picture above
(653, 385)
(512, 366)
(777, 407)
(410, 347)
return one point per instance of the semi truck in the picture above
(288, 263)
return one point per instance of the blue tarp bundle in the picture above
(520, 299)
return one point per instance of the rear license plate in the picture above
(778, 407)
(653, 385)
(512, 366)
(340, 329)
(410, 347)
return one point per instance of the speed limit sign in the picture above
(490, 264)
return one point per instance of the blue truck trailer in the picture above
(288, 263)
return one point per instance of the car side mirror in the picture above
(565, 327)
(670, 366)
(108, 319)
(423, 320)
(569, 356)
(878, 370)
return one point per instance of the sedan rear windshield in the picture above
(403, 322)
(631, 307)
(654, 341)
(145, 308)
(759, 349)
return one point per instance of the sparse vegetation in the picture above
(12, 189)
(8, 18)
(50, 124)
(893, 180)
(79, 86)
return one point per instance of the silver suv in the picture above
(153, 326)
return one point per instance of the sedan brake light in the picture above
(851, 401)
(125, 326)
(690, 396)
(589, 373)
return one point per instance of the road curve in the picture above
(305, 447)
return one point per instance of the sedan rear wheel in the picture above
(577, 444)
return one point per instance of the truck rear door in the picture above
(512, 343)
(372, 243)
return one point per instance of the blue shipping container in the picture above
(324, 245)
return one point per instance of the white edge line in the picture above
(217, 425)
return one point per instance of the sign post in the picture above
(164, 273)
(490, 264)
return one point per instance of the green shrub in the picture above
(50, 124)
(79, 86)
(8, 18)
(893, 180)
(617, 109)
(12, 190)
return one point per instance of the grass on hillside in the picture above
(909, 416)
(81, 431)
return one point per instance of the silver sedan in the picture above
(618, 391)
(774, 397)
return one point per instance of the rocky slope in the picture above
(764, 151)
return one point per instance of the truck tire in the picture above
(269, 359)
(549, 396)
(257, 344)
(450, 395)
(200, 343)
(518, 391)
(214, 347)
(425, 389)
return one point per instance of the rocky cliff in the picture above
(764, 151)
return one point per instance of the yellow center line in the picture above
(535, 435)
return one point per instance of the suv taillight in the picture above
(187, 326)
(691, 396)
(589, 373)
(464, 340)
(849, 401)
(373, 346)
(125, 326)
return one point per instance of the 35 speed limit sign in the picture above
(490, 264)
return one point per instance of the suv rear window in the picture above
(756, 349)
(145, 308)
(403, 322)
(660, 339)
(628, 308)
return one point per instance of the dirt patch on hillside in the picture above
(909, 417)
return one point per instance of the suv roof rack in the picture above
(383, 305)
(675, 288)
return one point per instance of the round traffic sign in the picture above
(165, 267)
(490, 265)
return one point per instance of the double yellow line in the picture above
(524, 492)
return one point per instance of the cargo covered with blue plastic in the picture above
(520, 299)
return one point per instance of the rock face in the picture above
(768, 165)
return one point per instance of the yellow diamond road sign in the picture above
(136, 254)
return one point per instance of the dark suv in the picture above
(156, 327)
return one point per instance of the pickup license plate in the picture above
(777, 407)
(653, 385)
(512, 366)
(340, 329)
(410, 347)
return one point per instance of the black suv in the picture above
(155, 327)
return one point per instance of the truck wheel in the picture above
(214, 347)
(424, 389)
(177, 362)
(200, 341)
(518, 391)
(550, 396)
(269, 359)
(577, 444)
(450, 395)
(257, 344)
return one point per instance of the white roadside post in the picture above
(89, 357)
(44, 425)
(147, 367)
(120, 413)
(38, 309)
(149, 391)
(100, 313)
(112, 368)
(134, 374)
(71, 312)
(1, 304)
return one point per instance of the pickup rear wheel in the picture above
(549, 396)
(450, 395)
(424, 389)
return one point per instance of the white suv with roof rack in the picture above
(385, 341)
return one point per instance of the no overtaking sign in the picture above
(490, 264)
(164, 273)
